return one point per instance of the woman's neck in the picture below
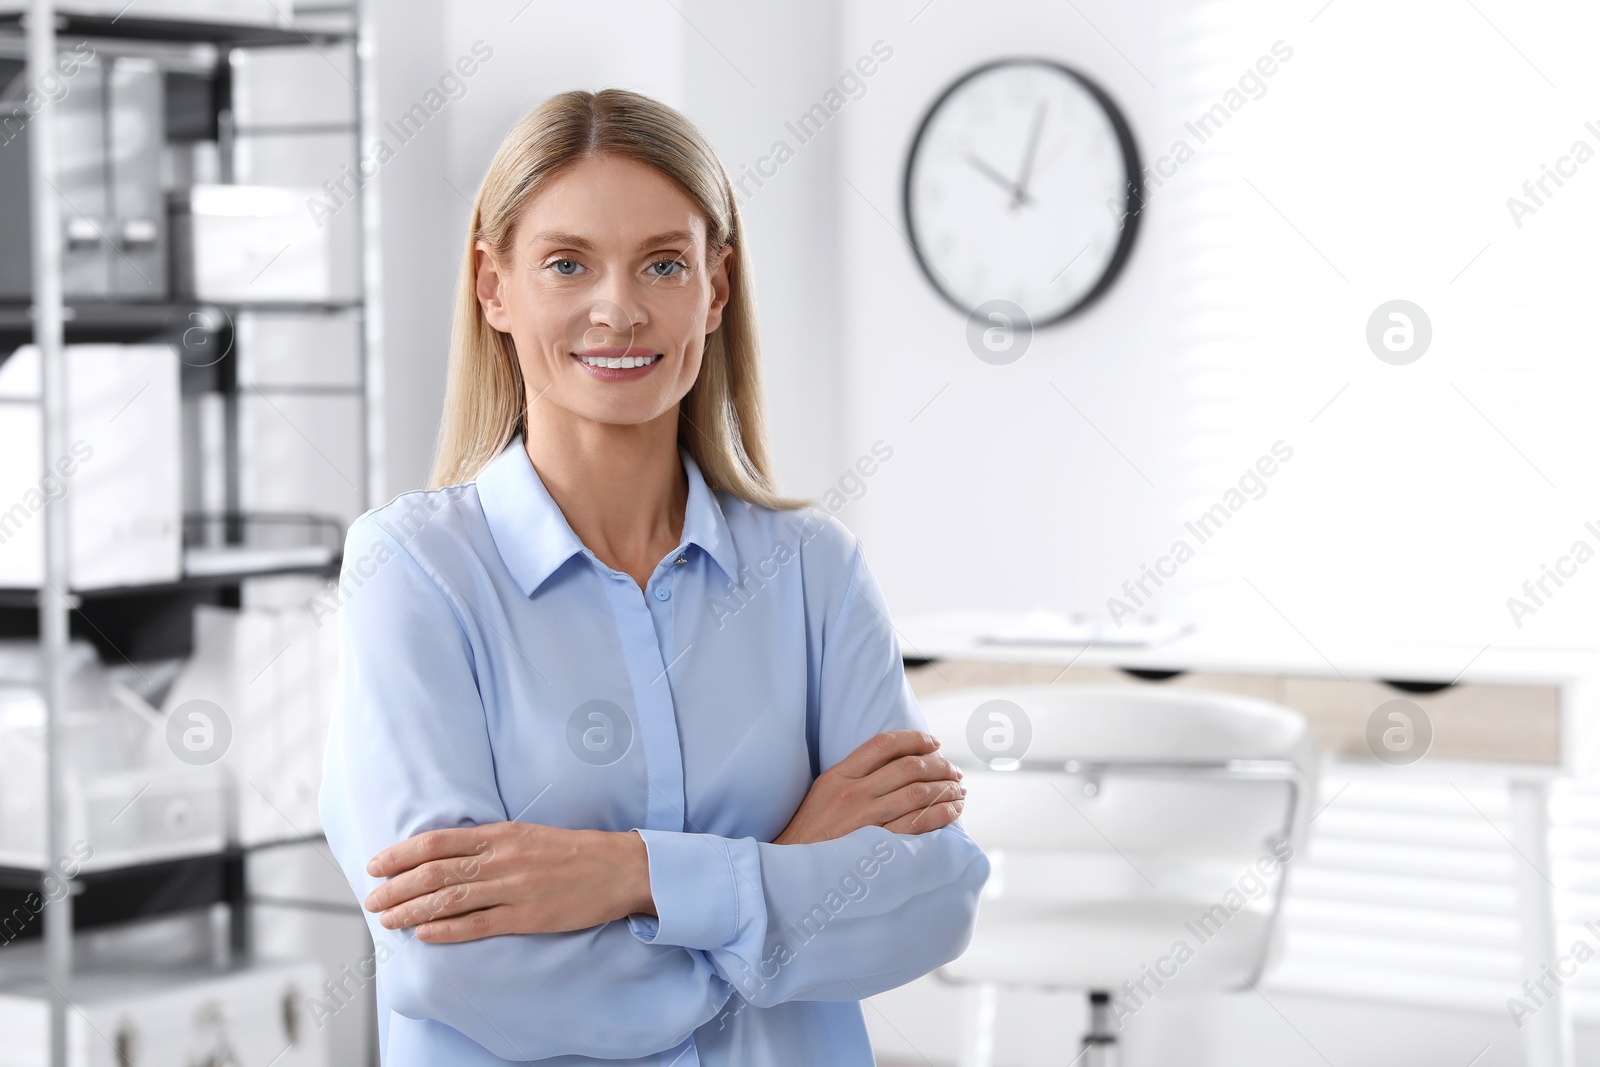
(622, 488)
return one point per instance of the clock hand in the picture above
(994, 175)
(1020, 193)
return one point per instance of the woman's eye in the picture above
(667, 268)
(566, 267)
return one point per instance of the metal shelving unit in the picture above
(154, 620)
(50, 322)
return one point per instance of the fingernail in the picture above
(961, 790)
(372, 868)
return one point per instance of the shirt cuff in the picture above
(695, 888)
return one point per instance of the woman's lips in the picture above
(607, 363)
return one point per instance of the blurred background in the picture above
(1316, 313)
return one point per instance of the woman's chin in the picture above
(621, 411)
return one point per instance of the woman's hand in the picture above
(509, 878)
(473, 882)
(892, 780)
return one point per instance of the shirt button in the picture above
(663, 593)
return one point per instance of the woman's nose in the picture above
(616, 299)
(603, 321)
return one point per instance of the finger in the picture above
(896, 774)
(429, 845)
(454, 900)
(879, 749)
(473, 926)
(915, 797)
(929, 818)
(420, 881)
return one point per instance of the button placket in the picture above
(657, 724)
(661, 593)
(662, 590)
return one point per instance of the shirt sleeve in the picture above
(409, 751)
(834, 920)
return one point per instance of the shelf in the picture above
(152, 622)
(142, 622)
(142, 891)
(130, 893)
(155, 620)
(98, 320)
(127, 27)
(12, 597)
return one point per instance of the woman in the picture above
(625, 766)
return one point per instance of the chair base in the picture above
(1099, 1048)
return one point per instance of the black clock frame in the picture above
(1133, 186)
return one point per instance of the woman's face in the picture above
(607, 294)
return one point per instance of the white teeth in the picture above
(619, 362)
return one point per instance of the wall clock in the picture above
(1023, 184)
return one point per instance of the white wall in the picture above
(748, 70)
(1000, 460)
(1426, 494)
(418, 272)
(542, 48)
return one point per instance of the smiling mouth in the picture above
(617, 358)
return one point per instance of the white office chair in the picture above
(1120, 822)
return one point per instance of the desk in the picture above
(1520, 716)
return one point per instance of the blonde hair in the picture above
(720, 422)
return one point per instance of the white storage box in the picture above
(232, 12)
(260, 1014)
(275, 673)
(117, 820)
(250, 243)
(291, 87)
(121, 479)
(301, 454)
(274, 348)
(127, 800)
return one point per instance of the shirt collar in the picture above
(534, 538)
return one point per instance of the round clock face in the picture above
(1023, 185)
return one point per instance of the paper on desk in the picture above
(1046, 627)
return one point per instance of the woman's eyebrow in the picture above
(572, 240)
(668, 238)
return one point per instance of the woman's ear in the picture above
(491, 287)
(721, 288)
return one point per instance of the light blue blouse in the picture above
(494, 668)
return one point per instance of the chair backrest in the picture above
(1163, 774)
